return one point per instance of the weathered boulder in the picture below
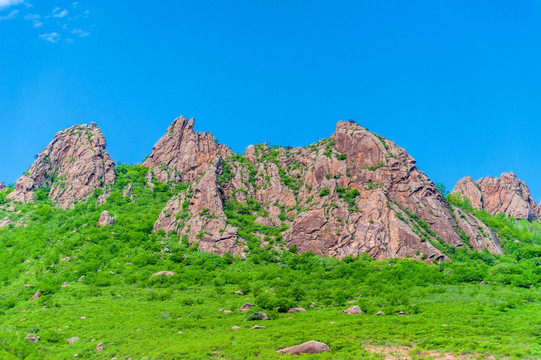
(72, 165)
(72, 340)
(506, 194)
(5, 222)
(255, 327)
(257, 316)
(235, 328)
(99, 347)
(296, 310)
(246, 307)
(33, 338)
(310, 347)
(35, 296)
(183, 154)
(164, 273)
(106, 219)
(352, 310)
(380, 313)
(2, 186)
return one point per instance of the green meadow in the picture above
(478, 305)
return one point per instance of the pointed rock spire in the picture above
(71, 166)
(183, 154)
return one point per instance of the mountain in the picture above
(69, 168)
(506, 194)
(352, 193)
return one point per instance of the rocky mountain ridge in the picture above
(352, 193)
(506, 194)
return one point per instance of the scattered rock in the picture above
(5, 222)
(379, 313)
(164, 273)
(257, 316)
(82, 318)
(296, 310)
(106, 219)
(36, 296)
(310, 347)
(246, 306)
(258, 327)
(238, 292)
(225, 311)
(81, 278)
(401, 313)
(26, 261)
(65, 284)
(72, 340)
(235, 328)
(353, 310)
(128, 191)
(33, 338)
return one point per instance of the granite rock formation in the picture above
(506, 194)
(70, 167)
(183, 154)
(353, 193)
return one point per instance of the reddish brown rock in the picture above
(106, 219)
(296, 310)
(198, 215)
(310, 347)
(353, 310)
(36, 296)
(183, 154)
(353, 193)
(506, 194)
(73, 165)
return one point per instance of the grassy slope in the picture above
(117, 296)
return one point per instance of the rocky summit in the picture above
(506, 194)
(355, 192)
(183, 154)
(69, 168)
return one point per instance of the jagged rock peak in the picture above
(506, 193)
(72, 166)
(183, 154)
(355, 192)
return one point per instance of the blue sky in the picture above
(456, 83)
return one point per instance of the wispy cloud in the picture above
(51, 37)
(80, 32)
(11, 15)
(8, 3)
(57, 13)
(34, 18)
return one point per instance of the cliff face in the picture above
(506, 194)
(355, 192)
(183, 154)
(71, 166)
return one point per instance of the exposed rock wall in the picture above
(72, 166)
(353, 193)
(183, 154)
(506, 194)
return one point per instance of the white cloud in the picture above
(34, 18)
(11, 15)
(51, 37)
(80, 32)
(59, 14)
(8, 3)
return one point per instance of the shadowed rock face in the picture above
(353, 193)
(72, 165)
(506, 194)
(183, 154)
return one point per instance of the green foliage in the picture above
(378, 165)
(324, 192)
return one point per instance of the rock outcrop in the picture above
(71, 166)
(2, 186)
(506, 194)
(198, 215)
(183, 154)
(353, 193)
(310, 347)
(106, 219)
